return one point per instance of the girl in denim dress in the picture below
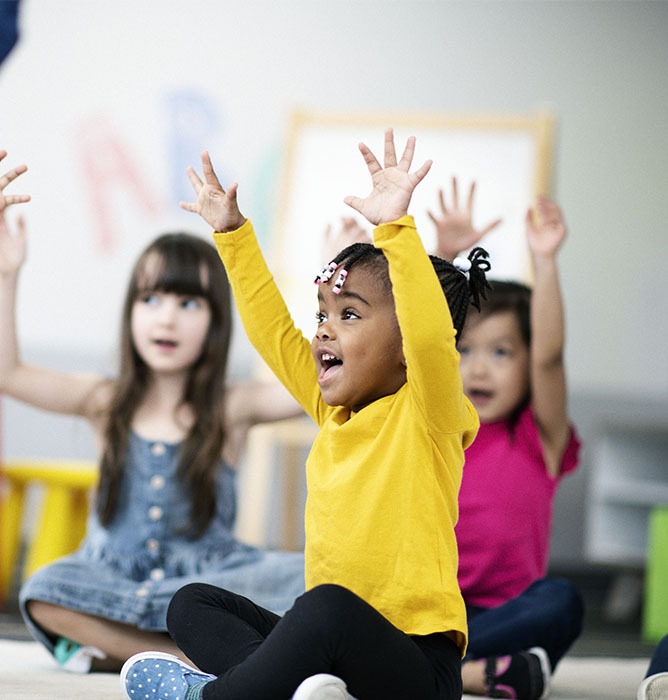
(170, 431)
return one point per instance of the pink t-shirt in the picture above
(505, 511)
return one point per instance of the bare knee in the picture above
(47, 615)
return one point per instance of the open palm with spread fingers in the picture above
(392, 182)
(215, 205)
(12, 246)
(545, 228)
(455, 231)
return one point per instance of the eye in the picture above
(192, 303)
(150, 298)
(464, 350)
(501, 352)
(349, 314)
(320, 317)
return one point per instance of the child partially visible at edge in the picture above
(383, 473)
(521, 623)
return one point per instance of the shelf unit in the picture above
(629, 476)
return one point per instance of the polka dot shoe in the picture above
(153, 675)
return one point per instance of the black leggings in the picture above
(257, 654)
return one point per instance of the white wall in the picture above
(134, 89)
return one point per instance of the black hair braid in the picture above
(478, 284)
(458, 289)
(455, 287)
(358, 253)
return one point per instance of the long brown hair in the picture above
(190, 266)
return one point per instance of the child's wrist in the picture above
(231, 226)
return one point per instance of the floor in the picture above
(606, 663)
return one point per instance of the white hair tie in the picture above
(462, 264)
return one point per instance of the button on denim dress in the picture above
(130, 570)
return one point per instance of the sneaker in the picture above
(654, 687)
(74, 657)
(152, 674)
(521, 676)
(322, 686)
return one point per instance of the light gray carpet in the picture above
(27, 671)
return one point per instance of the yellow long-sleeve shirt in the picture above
(382, 482)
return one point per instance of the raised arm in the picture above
(263, 312)
(251, 403)
(455, 231)
(428, 335)
(546, 231)
(43, 388)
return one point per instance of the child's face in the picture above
(494, 365)
(169, 330)
(357, 346)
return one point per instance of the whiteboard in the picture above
(509, 157)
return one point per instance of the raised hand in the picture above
(216, 206)
(545, 228)
(12, 246)
(346, 234)
(392, 182)
(454, 228)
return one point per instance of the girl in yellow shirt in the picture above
(382, 615)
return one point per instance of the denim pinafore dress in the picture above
(129, 571)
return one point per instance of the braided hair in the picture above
(460, 288)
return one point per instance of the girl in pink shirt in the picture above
(512, 365)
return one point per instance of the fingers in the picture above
(490, 226)
(469, 202)
(189, 206)
(12, 175)
(232, 191)
(530, 220)
(210, 176)
(355, 202)
(390, 154)
(455, 193)
(371, 161)
(419, 174)
(195, 179)
(441, 201)
(407, 155)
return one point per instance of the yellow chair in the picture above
(655, 605)
(66, 487)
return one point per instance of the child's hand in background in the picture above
(12, 246)
(346, 234)
(454, 228)
(545, 228)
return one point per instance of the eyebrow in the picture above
(344, 294)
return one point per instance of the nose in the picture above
(477, 366)
(325, 331)
(167, 311)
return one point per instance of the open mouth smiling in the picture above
(328, 360)
(329, 366)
